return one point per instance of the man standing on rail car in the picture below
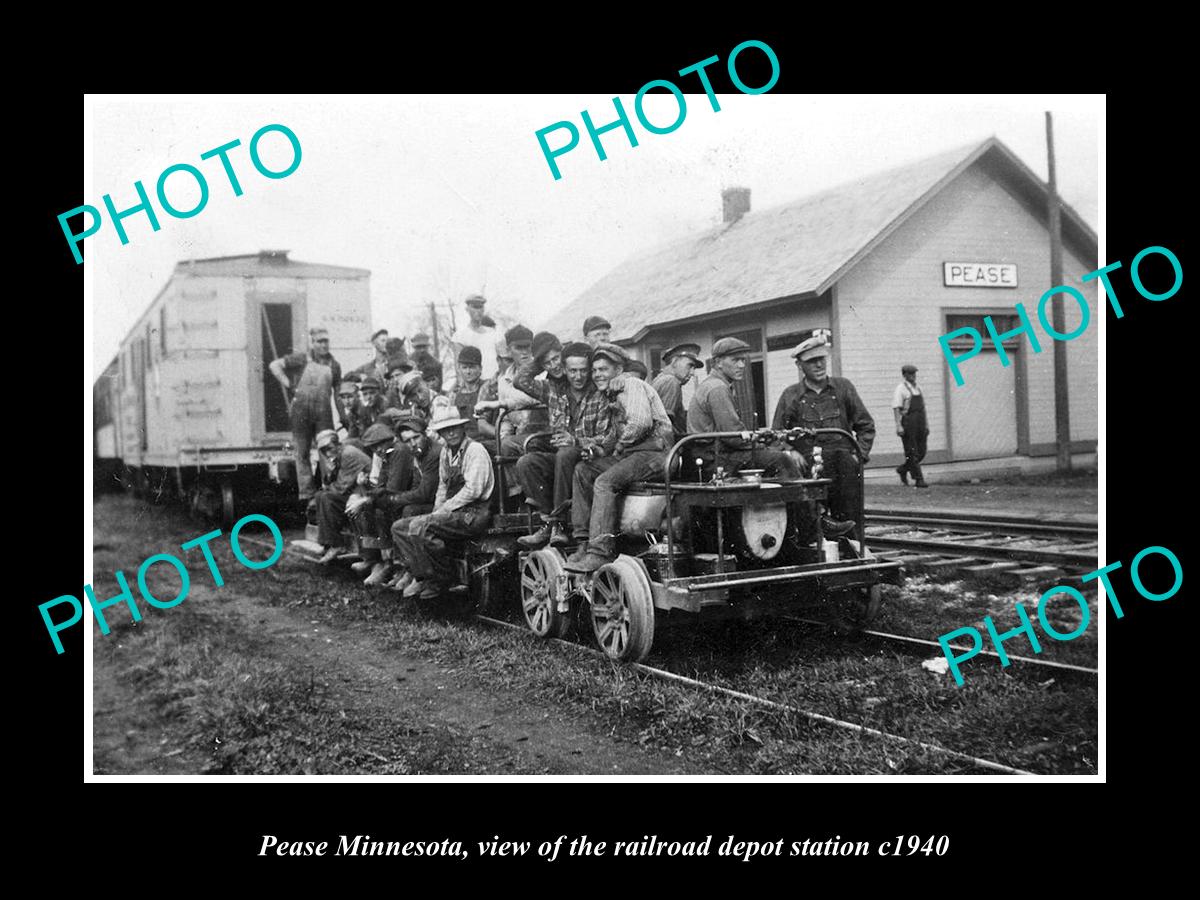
(348, 464)
(908, 405)
(476, 333)
(378, 365)
(821, 400)
(679, 362)
(460, 510)
(712, 409)
(632, 451)
(309, 379)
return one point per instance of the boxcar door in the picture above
(277, 340)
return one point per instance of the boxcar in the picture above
(191, 407)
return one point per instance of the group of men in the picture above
(409, 471)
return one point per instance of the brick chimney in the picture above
(735, 202)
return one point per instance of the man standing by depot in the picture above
(908, 405)
(309, 380)
(820, 400)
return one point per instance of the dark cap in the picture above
(430, 368)
(393, 345)
(907, 367)
(637, 367)
(420, 339)
(611, 352)
(593, 322)
(470, 356)
(411, 422)
(377, 434)
(577, 348)
(398, 362)
(518, 335)
(391, 417)
(371, 382)
(691, 351)
(476, 300)
(544, 342)
(728, 346)
(355, 377)
(378, 333)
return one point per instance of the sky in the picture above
(445, 196)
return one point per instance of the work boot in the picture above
(558, 537)
(922, 484)
(413, 589)
(381, 573)
(836, 528)
(535, 540)
(362, 567)
(588, 561)
(903, 473)
(330, 554)
(580, 552)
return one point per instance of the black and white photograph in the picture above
(696, 433)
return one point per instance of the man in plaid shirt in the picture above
(547, 468)
(631, 450)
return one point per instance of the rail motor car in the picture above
(739, 547)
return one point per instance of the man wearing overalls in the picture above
(908, 405)
(821, 400)
(310, 380)
(460, 510)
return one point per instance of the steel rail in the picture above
(986, 551)
(1073, 532)
(666, 675)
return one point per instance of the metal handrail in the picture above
(762, 435)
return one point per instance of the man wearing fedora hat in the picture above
(908, 405)
(679, 362)
(821, 400)
(460, 509)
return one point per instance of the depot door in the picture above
(276, 326)
(983, 410)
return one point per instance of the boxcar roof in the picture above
(265, 264)
(797, 249)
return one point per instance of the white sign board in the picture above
(980, 274)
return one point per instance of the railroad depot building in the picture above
(881, 263)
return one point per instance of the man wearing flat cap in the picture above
(521, 420)
(407, 487)
(460, 510)
(365, 413)
(465, 393)
(345, 464)
(820, 400)
(679, 362)
(633, 450)
(596, 330)
(908, 405)
(478, 334)
(712, 409)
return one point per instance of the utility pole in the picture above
(1062, 412)
(437, 352)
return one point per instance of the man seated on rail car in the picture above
(520, 420)
(371, 402)
(489, 390)
(596, 330)
(679, 362)
(347, 394)
(347, 464)
(409, 393)
(712, 409)
(460, 510)
(546, 467)
(465, 393)
(640, 431)
(405, 493)
(377, 443)
(820, 400)
(308, 380)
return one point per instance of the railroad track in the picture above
(1019, 548)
